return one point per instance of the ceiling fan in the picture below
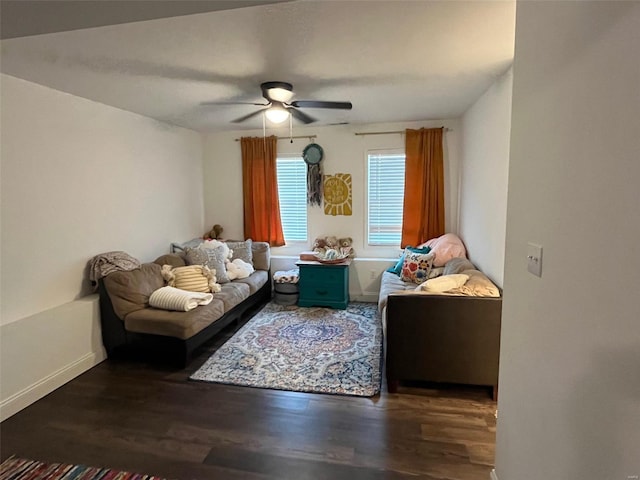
(279, 105)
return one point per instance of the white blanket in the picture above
(171, 298)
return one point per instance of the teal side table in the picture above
(324, 285)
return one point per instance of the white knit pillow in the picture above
(170, 298)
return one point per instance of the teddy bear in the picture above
(319, 245)
(331, 242)
(345, 247)
(215, 233)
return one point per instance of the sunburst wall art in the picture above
(337, 194)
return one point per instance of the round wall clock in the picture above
(312, 154)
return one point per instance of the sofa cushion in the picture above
(416, 266)
(232, 294)
(242, 250)
(173, 259)
(261, 253)
(130, 291)
(255, 281)
(181, 325)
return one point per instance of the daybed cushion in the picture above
(181, 325)
(130, 291)
(391, 283)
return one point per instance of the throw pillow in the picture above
(182, 247)
(194, 278)
(457, 265)
(214, 258)
(478, 285)
(242, 250)
(416, 266)
(446, 247)
(397, 268)
(444, 283)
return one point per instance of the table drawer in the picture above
(326, 291)
(324, 275)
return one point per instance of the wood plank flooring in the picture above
(141, 417)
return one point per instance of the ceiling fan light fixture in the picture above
(276, 114)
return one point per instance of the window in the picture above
(385, 187)
(292, 193)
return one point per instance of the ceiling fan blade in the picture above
(235, 103)
(321, 104)
(247, 117)
(303, 117)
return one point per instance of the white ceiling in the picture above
(394, 60)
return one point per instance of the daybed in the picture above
(129, 324)
(446, 337)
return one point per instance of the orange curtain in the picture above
(260, 190)
(423, 213)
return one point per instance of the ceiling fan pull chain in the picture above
(264, 126)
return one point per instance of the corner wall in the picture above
(484, 175)
(80, 178)
(569, 405)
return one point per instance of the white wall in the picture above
(569, 405)
(79, 178)
(344, 152)
(484, 176)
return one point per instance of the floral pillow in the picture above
(416, 266)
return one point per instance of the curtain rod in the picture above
(310, 137)
(389, 133)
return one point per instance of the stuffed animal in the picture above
(345, 247)
(319, 245)
(331, 242)
(239, 269)
(215, 233)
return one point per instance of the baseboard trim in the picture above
(31, 394)
(493, 474)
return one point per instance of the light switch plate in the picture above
(534, 259)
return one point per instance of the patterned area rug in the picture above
(21, 469)
(314, 349)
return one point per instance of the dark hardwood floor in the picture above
(130, 415)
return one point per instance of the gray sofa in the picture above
(130, 325)
(439, 337)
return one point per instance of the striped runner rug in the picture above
(21, 469)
